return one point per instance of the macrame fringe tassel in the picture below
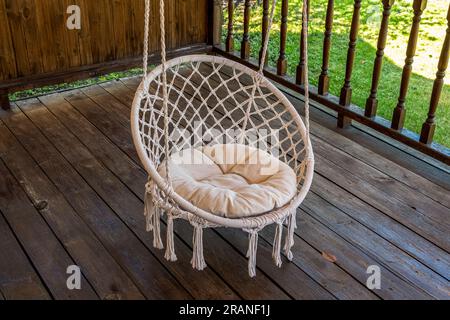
(276, 254)
(157, 242)
(149, 210)
(170, 244)
(289, 242)
(152, 214)
(198, 260)
(251, 253)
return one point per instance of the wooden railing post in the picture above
(4, 99)
(429, 126)
(229, 42)
(346, 92)
(265, 26)
(398, 117)
(282, 61)
(300, 73)
(245, 46)
(324, 80)
(372, 101)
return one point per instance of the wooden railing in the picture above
(343, 104)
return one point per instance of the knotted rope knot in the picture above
(152, 212)
(259, 77)
(198, 259)
(149, 186)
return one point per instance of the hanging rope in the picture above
(146, 35)
(260, 75)
(165, 97)
(306, 85)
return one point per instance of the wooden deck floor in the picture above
(71, 192)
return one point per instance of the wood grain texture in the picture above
(34, 38)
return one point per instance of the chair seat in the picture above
(231, 180)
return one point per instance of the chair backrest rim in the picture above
(160, 181)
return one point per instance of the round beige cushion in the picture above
(231, 180)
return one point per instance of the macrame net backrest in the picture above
(208, 102)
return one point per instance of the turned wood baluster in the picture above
(282, 61)
(398, 118)
(265, 26)
(429, 126)
(346, 92)
(300, 78)
(4, 99)
(324, 80)
(372, 101)
(229, 44)
(245, 46)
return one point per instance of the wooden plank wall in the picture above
(34, 39)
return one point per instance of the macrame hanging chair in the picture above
(205, 105)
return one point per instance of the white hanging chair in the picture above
(185, 100)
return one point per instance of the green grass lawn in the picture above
(433, 27)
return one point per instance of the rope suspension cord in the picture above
(164, 75)
(262, 64)
(304, 44)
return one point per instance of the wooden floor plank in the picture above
(350, 258)
(18, 280)
(381, 251)
(129, 208)
(290, 277)
(416, 182)
(329, 275)
(232, 266)
(105, 99)
(33, 232)
(388, 186)
(106, 120)
(126, 249)
(77, 238)
(403, 238)
(422, 225)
